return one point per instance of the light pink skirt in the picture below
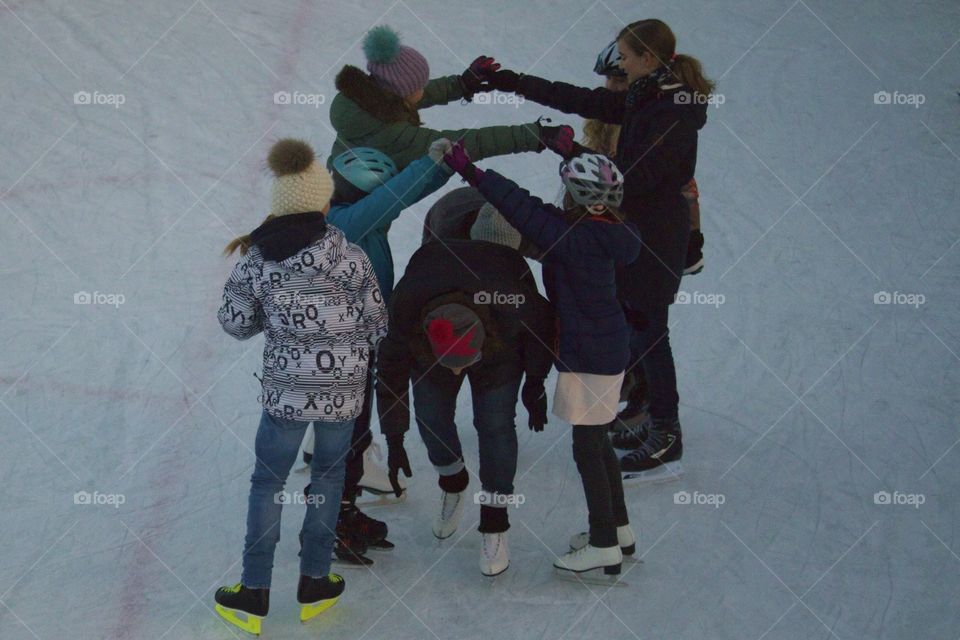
(587, 398)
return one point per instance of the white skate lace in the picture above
(487, 551)
(452, 502)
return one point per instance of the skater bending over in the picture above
(467, 309)
(316, 299)
(583, 246)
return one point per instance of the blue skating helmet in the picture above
(608, 62)
(364, 168)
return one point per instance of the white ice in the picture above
(801, 397)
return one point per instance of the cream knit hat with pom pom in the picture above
(301, 183)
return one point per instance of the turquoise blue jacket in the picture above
(367, 221)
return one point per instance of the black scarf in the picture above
(282, 237)
(646, 88)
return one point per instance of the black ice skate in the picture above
(316, 595)
(371, 531)
(657, 459)
(243, 607)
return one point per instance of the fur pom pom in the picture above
(381, 44)
(289, 156)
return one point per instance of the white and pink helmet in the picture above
(592, 179)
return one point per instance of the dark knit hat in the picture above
(395, 67)
(456, 335)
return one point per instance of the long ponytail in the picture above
(690, 72)
(243, 243)
(657, 38)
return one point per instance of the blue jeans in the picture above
(494, 413)
(277, 447)
(651, 344)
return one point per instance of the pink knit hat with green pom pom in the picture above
(395, 67)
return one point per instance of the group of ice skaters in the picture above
(317, 279)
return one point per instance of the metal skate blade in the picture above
(385, 545)
(664, 473)
(382, 499)
(627, 559)
(593, 576)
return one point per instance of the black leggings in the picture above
(360, 441)
(602, 484)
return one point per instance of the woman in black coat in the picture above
(660, 116)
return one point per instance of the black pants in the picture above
(602, 484)
(362, 437)
(650, 345)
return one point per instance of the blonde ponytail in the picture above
(242, 242)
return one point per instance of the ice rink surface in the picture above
(820, 499)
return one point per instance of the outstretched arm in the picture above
(384, 204)
(538, 221)
(600, 103)
(441, 90)
(484, 142)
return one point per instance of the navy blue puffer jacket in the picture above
(579, 273)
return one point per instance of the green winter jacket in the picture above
(365, 115)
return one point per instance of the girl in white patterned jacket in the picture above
(316, 298)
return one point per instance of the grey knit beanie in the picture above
(491, 226)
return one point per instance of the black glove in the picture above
(534, 398)
(397, 460)
(505, 80)
(476, 76)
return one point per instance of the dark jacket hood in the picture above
(282, 237)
